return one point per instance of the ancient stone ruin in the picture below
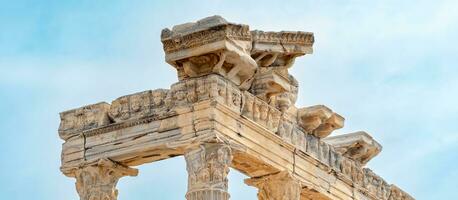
(233, 107)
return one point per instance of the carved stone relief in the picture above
(211, 45)
(98, 182)
(260, 112)
(208, 167)
(397, 194)
(280, 186)
(138, 105)
(84, 118)
(242, 76)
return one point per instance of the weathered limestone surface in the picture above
(319, 120)
(84, 118)
(279, 186)
(98, 182)
(208, 166)
(210, 45)
(359, 146)
(232, 107)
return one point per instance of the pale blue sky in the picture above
(389, 67)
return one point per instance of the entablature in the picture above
(236, 97)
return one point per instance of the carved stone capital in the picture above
(98, 182)
(234, 94)
(208, 167)
(280, 186)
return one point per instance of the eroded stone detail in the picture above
(280, 186)
(311, 194)
(138, 105)
(162, 102)
(260, 112)
(84, 118)
(358, 146)
(98, 182)
(269, 83)
(211, 45)
(276, 46)
(234, 85)
(207, 168)
(319, 120)
(397, 194)
(276, 87)
(275, 52)
(285, 101)
(376, 185)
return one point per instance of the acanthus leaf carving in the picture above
(279, 186)
(98, 182)
(244, 74)
(208, 167)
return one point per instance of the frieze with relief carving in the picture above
(84, 118)
(234, 86)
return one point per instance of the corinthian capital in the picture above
(280, 186)
(207, 168)
(98, 182)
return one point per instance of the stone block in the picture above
(210, 45)
(87, 117)
(359, 146)
(319, 120)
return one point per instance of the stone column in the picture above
(208, 166)
(279, 186)
(98, 182)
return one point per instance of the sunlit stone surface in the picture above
(233, 107)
